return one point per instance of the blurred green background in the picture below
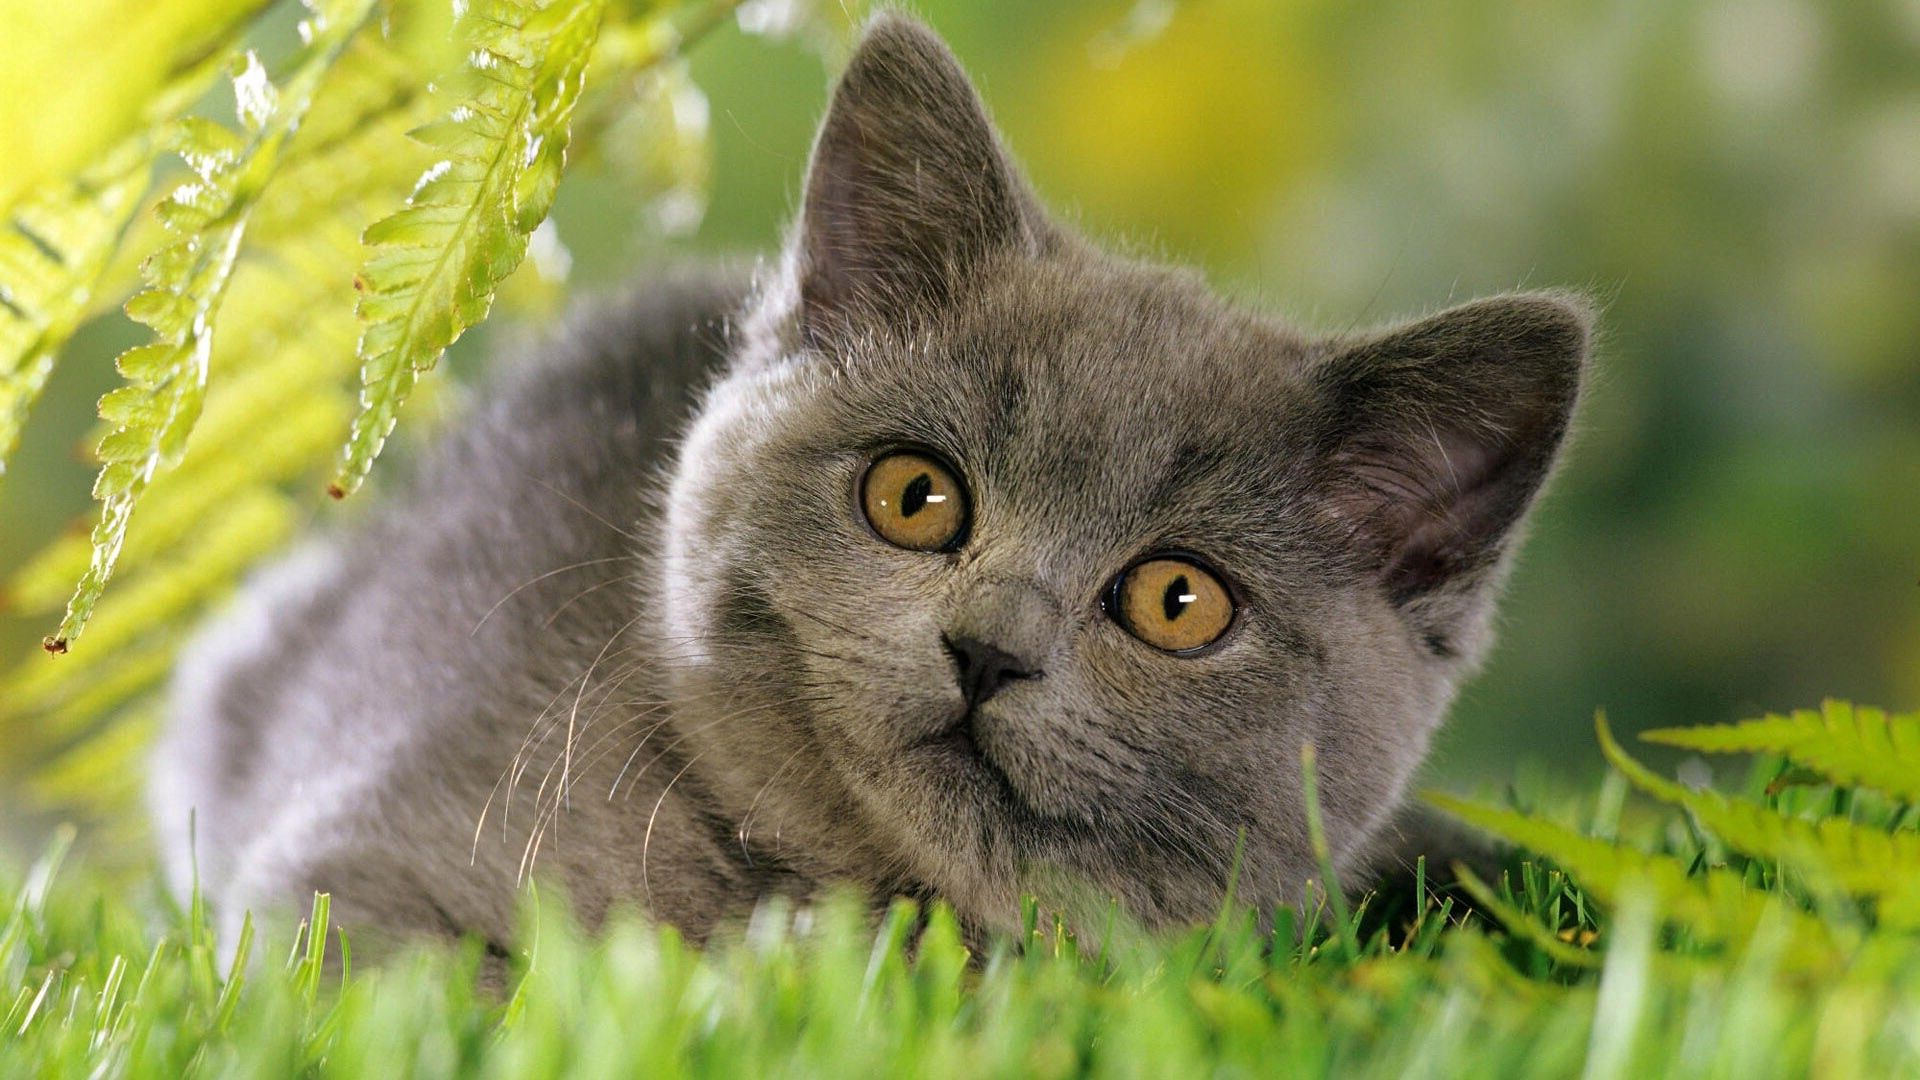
(1738, 180)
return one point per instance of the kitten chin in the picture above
(952, 557)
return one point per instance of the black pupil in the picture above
(1173, 601)
(914, 498)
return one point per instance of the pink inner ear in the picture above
(1427, 506)
(1440, 434)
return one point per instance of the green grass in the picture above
(1774, 970)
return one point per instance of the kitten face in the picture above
(974, 702)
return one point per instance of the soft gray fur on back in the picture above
(629, 630)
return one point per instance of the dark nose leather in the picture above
(982, 669)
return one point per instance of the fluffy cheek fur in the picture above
(1157, 773)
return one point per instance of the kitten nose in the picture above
(982, 669)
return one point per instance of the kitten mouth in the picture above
(964, 764)
(960, 744)
(959, 739)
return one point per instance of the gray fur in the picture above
(683, 674)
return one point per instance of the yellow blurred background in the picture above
(1738, 180)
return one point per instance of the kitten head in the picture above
(996, 560)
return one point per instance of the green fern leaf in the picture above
(352, 161)
(276, 403)
(69, 709)
(274, 409)
(434, 266)
(161, 599)
(276, 398)
(1864, 861)
(177, 508)
(152, 416)
(1900, 908)
(52, 252)
(1848, 745)
(1714, 904)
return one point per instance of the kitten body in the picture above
(629, 630)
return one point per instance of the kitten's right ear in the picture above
(908, 190)
(1438, 435)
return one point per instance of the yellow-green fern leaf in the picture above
(161, 599)
(178, 508)
(1714, 904)
(106, 774)
(1900, 908)
(274, 409)
(352, 161)
(434, 266)
(1846, 744)
(76, 705)
(1864, 861)
(79, 78)
(53, 249)
(154, 413)
(273, 413)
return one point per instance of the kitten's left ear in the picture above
(909, 188)
(1436, 438)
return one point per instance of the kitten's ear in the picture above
(1439, 434)
(908, 189)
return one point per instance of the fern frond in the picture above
(276, 402)
(1864, 861)
(1714, 904)
(179, 507)
(434, 266)
(79, 79)
(41, 697)
(62, 712)
(352, 160)
(265, 426)
(1848, 745)
(156, 411)
(53, 249)
(274, 410)
(283, 350)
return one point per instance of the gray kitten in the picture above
(956, 558)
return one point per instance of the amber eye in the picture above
(915, 502)
(1171, 603)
